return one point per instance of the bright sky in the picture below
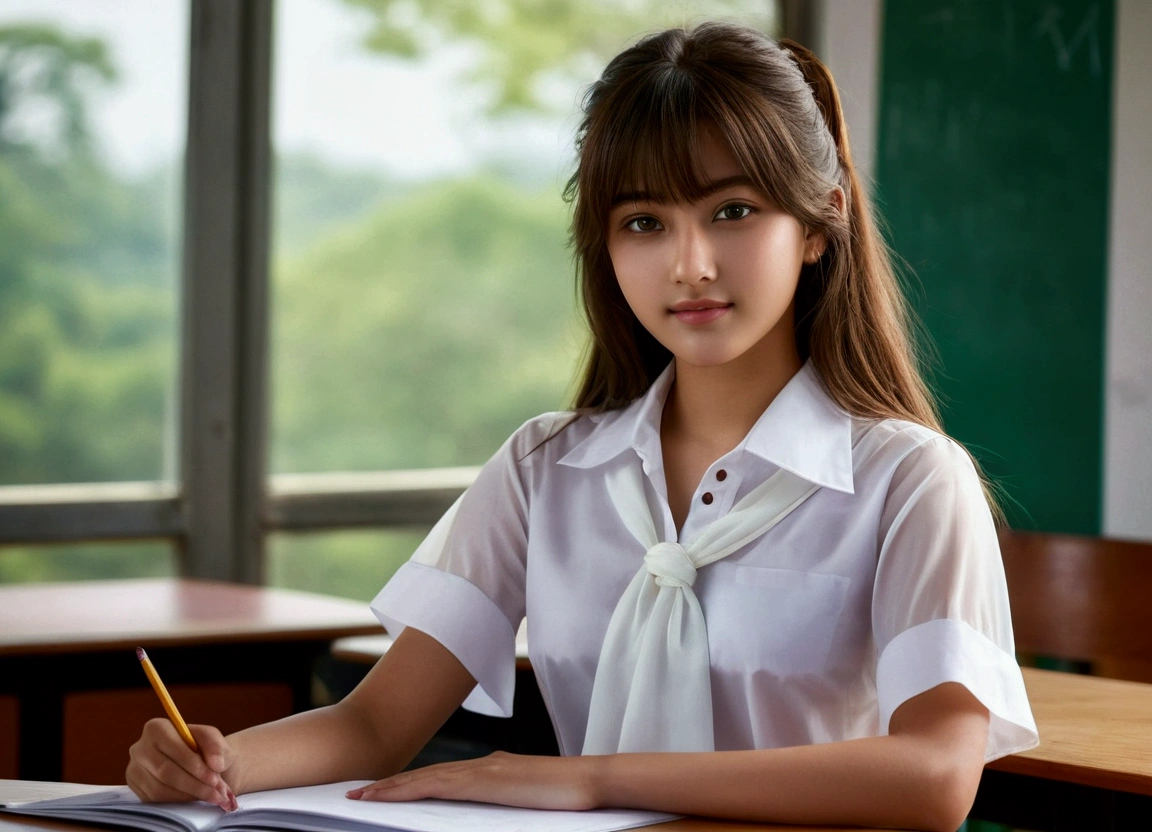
(331, 97)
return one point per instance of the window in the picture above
(359, 319)
(92, 122)
(423, 291)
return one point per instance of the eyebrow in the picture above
(709, 189)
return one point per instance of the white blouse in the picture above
(885, 583)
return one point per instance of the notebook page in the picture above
(290, 808)
(107, 804)
(18, 792)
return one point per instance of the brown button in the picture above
(707, 498)
(721, 475)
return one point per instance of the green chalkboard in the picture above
(992, 170)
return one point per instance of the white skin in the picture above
(737, 248)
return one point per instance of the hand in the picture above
(508, 779)
(163, 769)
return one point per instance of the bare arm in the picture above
(373, 732)
(922, 776)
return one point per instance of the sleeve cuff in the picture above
(946, 650)
(458, 615)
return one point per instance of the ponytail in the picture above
(778, 109)
(893, 321)
(819, 80)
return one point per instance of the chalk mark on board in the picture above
(1089, 31)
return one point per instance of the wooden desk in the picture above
(1093, 767)
(1092, 770)
(231, 655)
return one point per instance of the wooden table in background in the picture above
(368, 649)
(73, 696)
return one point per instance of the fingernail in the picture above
(354, 793)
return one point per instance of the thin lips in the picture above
(697, 305)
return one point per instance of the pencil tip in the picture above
(140, 654)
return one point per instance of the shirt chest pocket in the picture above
(780, 621)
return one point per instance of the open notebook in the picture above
(307, 809)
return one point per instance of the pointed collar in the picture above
(802, 430)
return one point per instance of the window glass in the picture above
(351, 563)
(86, 561)
(424, 295)
(92, 116)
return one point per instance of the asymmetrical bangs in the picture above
(651, 148)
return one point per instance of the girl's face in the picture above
(712, 280)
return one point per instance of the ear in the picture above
(816, 242)
(814, 245)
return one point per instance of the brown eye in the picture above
(734, 212)
(643, 224)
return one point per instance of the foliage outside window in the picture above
(423, 299)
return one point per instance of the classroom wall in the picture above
(849, 39)
(1128, 397)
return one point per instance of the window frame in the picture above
(223, 504)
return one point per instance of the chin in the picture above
(706, 358)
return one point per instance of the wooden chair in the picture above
(1082, 599)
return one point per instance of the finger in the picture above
(152, 762)
(152, 789)
(168, 744)
(215, 750)
(451, 781)
(199, 780)
(385, 784)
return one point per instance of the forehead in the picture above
(715, 158)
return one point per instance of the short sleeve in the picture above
(464, 585)
(940, 604)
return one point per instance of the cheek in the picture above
(772, 262)
(634, 267)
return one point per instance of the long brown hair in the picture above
(777, 108)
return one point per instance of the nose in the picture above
(694, 259)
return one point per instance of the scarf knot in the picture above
(671, 565)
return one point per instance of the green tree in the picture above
(426, 333)
(86, 300)
(41, 64)
(521, 42)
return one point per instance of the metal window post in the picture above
(224, 360)
(802, 20)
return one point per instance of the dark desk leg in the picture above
(1051, 806)
(42, 717)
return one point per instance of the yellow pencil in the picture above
(166, 700)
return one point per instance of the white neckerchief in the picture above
(652, 690)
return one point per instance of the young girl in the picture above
(761, 583)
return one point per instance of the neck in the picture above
(716, 406)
